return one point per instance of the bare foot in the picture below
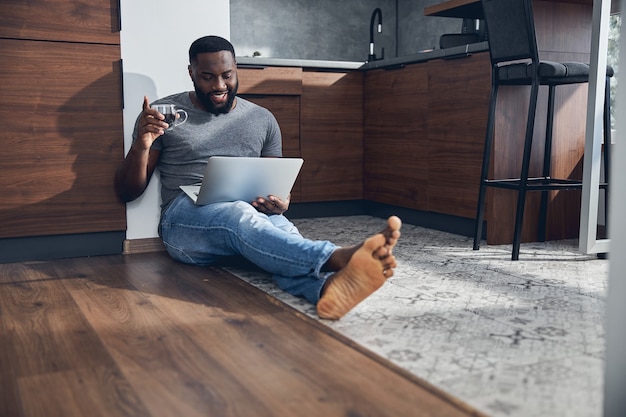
(340, 258)
(367, 270)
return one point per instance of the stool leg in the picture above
(547, 162)
(523, 183)
(482, 190)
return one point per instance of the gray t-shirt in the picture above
(247, 130)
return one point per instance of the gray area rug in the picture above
(521, 339)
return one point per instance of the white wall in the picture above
(155, 39)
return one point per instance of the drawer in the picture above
(270, 80)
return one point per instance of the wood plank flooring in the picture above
(142, 335)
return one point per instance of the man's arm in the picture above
(133, 175)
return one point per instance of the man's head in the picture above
(213, 71)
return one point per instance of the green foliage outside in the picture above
(613, 58)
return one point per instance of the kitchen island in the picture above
(563, 30)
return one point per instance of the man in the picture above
(220, 123)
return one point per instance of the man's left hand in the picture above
(271, 205)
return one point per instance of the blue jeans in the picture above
(204, 235)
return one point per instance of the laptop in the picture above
(228, 178)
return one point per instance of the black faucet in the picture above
(372, 56)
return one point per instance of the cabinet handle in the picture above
(121, 70)
(253, 96)
(119, 15)
(394, 67)
(251, 66)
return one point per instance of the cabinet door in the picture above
(94, 21)
(270, 80)
(61, 139)
(396, 137)
(332, 136)
(457, 121)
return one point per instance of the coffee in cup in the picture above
(169, 111)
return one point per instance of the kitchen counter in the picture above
(248, 62)
(456, 8)
(449, 53)
(473, 10)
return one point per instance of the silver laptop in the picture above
(229, 178)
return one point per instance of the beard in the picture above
(207, 103)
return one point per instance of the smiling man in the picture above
(220, 123)
(214, 77)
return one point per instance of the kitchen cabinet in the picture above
(396, 164)
(332, 136)
(80, 21)
(320, 115)
(424, 134)
(62, 124)
(457, 120)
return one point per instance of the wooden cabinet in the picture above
(83, 21)
(396, 138)
(332, 136)
(457, 120)
(62, 135)
(62, 138)
(424, 130)
(271, 81)
(320, 114)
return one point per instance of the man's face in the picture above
(214, 76)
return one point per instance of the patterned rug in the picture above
(520, 339)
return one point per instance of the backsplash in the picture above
(333, 30)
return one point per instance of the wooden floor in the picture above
(142, 335)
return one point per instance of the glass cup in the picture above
(173, 117)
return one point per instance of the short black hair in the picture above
(209, 44)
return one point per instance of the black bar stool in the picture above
(515, 61)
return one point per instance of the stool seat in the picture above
(549, 73)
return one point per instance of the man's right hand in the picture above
(133, 174)
(151, 125)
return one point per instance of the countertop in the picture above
(449, 53)
(244, 61)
